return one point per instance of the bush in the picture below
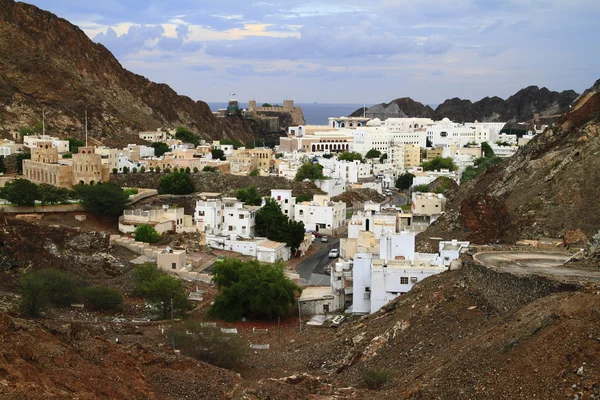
(373, 153)
(374, 379)
(218, 154)
(167, 170)
(350, 156)
(21, 192)
(67, 155)
(196, 169)
(134, 170)
(131, 191)
(188, 170)
(249, 196)
(254, 172)
(125, 170)
(327, 155)
(311, 171)
(103, 298)
(157, 169)
(423, 188)
(160, 148)
(404, 181)
(115, 170)
(439, 163)
(210, 345)
(34, 296)
(147, 234)
(39, 288)
(208, 168)
(176, 183)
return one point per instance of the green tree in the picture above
(75, 144)
(195, 170)
(272, 223)
(158, 288)
(327, 155)
(21, 192)
(383, 157)
(208, 168)
(233, 142)
(26, 131)
(254, 172)
(2, 165)
(487, 150)
(19, 160)
(350, 156)
(439, 163)
(157, 169)
(373, 153)
(105, 198)
(125, 170)
(267, 105)
(146, 233)
(142, 169)
(103, 298)
(167, 170)
(49, 194)
(160, 148)
(423, 188)
(176, 183)
(61, 288)
(67, 155)
(238, 296)
(404, 181)
(134, 170)
(311, 171)
(295, 231)
(188, 170)
(218, 154)
(249, 196)
(187, 136)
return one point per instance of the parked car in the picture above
(324, 239)
(334, 253)
(316, 234)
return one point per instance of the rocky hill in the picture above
(519, 107)
(550, 187)
(48, 63)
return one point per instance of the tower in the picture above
(252, 105)
(288, 105)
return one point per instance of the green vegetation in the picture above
(249, 196)
(481, 165)
(383, 157)
(254, 172)
(218, 154)
(327, 155)
(350, 156)
(404, 181)
(187, 136)
(444, 185)
(67, 155)
(233, 142)
(19, 160)
(278, 155)
(439, 163)
(503, 144)
(49, 194)
(75, 144)
(210, 345)
(373, 153)
(159, 288)
(176, 183)
(272, 223)
(34, 298)
(125, 170)
(302, 197)
(160, 148)
(208, 168)
(238, 297)
(310, 171)
(424, 188)
(2, 165)
(146, 233)
(374, 379)
(487, 150)
(46, 286)
(104, 198)
(267, 105)
(21, 192)
(102, 298)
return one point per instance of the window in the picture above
(241, 216)
(339, 278)
(367, 289)
(173, 265)
(285, 201)
(230, 228)
(201, 213)
(404, 280)
(301, 213)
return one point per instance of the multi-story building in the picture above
(154, 136)
(226, 216)
(321, 214)
(164, 219)
(428, 205)
(31, 141)
(447, 133)
(45, 167)
(8, 147)
(286, 201)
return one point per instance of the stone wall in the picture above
(503, 291)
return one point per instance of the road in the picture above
(533, 263)
(317, 262)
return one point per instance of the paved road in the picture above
(538, 263)
(317, 262)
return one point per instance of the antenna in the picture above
(43, 122)
(86, 131)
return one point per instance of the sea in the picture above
(314, 113)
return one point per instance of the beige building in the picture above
(171, 260)
(430, 205)
(84, 168)
(156, 136)
(162, 219)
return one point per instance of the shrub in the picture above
(167, 170)
(125, 170)
(103, 298)
(373, 153)
(157, 169)
(143, 169)
(176, 183)
(249, 196)
(374, 379)
(311, 171)
(45, 286)
(423, 188)
(159, 288)
(131, 191)
(188, 170)
(439, 163)
(134, 170)
(147, 234)
(218, 154)
(67, 155)
(160, 148)
(195, 169)
(115, 170)
(208, 168)
(104, 198)
(21, 192)
(151, 169)
(210, 345)
(34, 296)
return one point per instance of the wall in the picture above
(42, 209)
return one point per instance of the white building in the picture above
(31, 141)
(348, 171)
(227, 216)
(447, 133)
(321, 214)
(286, 201)
(8, 147)
(162, 219)
(264, 250)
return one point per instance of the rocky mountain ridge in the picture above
(48, 63)
(519, 107)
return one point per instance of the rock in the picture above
(580, 371)
(358, 338)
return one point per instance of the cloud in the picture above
(202, 68)
(437, 72)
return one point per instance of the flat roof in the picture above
(271, 244)
(316, 293)
(209, 194)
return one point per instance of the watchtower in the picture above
(45, 153)
(288, 105)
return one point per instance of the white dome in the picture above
(374, 122)
(446, 120)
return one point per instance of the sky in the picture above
(351, 51)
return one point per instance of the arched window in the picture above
(301, 213)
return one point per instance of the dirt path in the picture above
(537, 263)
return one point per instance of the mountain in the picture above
(399, 108)
(48, 63)
(549, 188)
(517, 108)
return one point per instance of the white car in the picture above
(334, 253)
